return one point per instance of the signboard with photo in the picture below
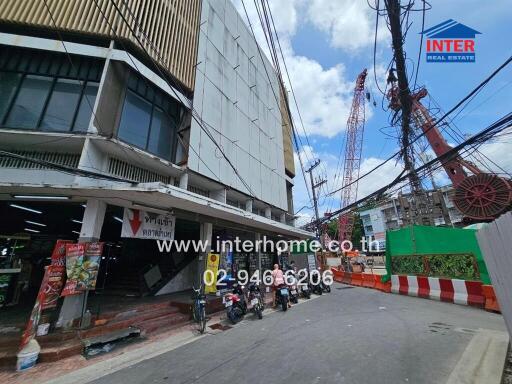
(74, 259)
(90, 266)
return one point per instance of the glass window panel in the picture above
(12, 63)
(160, 135)
(84, 68)
(134, 125)
(8, 84)
(132, 82)
(94, 71)
(62, 106)
(141, 88)
(65, 68)
(45, 63)
(85, 109)
(74, 66)
(29, 103)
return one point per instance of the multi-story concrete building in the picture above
(391, 213)
(110, 109)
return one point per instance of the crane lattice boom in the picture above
(352, 163)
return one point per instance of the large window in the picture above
(150, 118)
(48, 91)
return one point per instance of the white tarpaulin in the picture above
(147, 225)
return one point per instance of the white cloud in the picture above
(498, 150)
(330, 171)
(349, 24)
(378, 179)
(323, 94)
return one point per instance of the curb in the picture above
(456, 291)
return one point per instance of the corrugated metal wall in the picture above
(170, 25)
(495, 240)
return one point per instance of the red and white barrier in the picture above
(449, 290)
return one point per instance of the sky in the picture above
(327, 43)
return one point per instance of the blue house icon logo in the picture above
(450, 42)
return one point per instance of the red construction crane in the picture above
(352, 163)
(480, 196)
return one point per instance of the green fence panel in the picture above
(426, 240)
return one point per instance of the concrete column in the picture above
(92, 222)
(184, 180)
(268, 213)
(282, 218)
(248, 205)
(205, 234)
(93, 124)
(219, 195)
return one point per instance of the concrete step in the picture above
(127, 319)
(163, 323)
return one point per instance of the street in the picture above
(351, 335)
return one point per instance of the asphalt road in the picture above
(353, 335)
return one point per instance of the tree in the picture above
(357, 232)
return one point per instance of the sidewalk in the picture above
(121, 357)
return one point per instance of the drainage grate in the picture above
(220, 327)
(347, 287)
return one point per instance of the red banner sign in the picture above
(54, 283)
(33, 321)
(59, 252)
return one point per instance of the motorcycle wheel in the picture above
(284, 305)
(308, 295)
(259, 312)
(235, 315)
(328, 288)
(295, 299)
(319, 290)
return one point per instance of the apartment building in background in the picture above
(394, 213)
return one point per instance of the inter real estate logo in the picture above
(450, 42)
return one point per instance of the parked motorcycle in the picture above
(256, 300)
(282, 296)
(304, 288)
(292, 287)
(325, 287)
(235, 304)
(305, 291)
(315, 281)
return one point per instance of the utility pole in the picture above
(314, 186)
(404, 93)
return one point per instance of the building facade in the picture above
(394, 213)
(161, 107)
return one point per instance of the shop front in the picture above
(128, 267)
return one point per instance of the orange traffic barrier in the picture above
(368, 280)
(381, 286)
(347, 278)
(337, 274)
(491, 302)
(357, 279)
